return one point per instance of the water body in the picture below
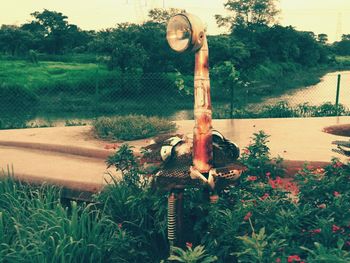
(324, 91)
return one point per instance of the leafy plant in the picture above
(196, 255)
(36, 227)
(131, 127)
(138, 208)
(321, 254)
(256, 249)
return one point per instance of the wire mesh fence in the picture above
(155, 94)
(324, 91)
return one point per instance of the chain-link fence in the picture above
(154, 94)
(324, 91)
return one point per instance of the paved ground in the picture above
(71, 156)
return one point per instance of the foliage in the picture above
(54, 32)
(191, 255)
(247, 12)
(343, 60)
(50, 75)
(162, 16)
(227, 80)
(14, 40)
(342, 47)
(283, 109)
(264, 218)
(136, 207)
(69, 123)
(131, 127)
(36, 227)
(287, 217)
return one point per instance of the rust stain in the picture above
(202, 133)
(202, 144)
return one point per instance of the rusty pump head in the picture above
(186, 32)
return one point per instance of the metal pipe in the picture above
(202, 133)
(337, 94)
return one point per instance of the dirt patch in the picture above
(341, 130)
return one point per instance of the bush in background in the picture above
(131, 127)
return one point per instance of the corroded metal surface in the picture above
(179, 178)
(202, 134)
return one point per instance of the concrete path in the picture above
(72, 157)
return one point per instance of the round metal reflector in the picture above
(179, 33)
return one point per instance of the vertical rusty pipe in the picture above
(202, 133)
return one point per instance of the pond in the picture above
(324, 91)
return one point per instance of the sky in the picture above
(320, 16)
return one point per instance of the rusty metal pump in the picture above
(207, 158)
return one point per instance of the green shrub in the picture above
(69, 123)
(36, 227)
(279, 110)
(22, 123)
(138, 208)
(131, 127)
(283, 109)
(196, 255)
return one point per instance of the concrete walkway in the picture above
(72, 157)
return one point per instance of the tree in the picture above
(38, 34)
(310, 53)
(322, 38)
(345, 37)
(14, 40)
(279, 43)
(227, 79)
(162, 16)
(122, 45)
(342, 47)
(55, 27)
(227, 48)
(248, 12)
(55, 33)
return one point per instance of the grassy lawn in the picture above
(29, 75)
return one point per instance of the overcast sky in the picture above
(320, 16)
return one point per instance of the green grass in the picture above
(46, 74)
(343, 61)
(131, 127)
(36, 227)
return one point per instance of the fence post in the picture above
(231, 105)
(337, 95)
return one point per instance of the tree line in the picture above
(254, 38)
